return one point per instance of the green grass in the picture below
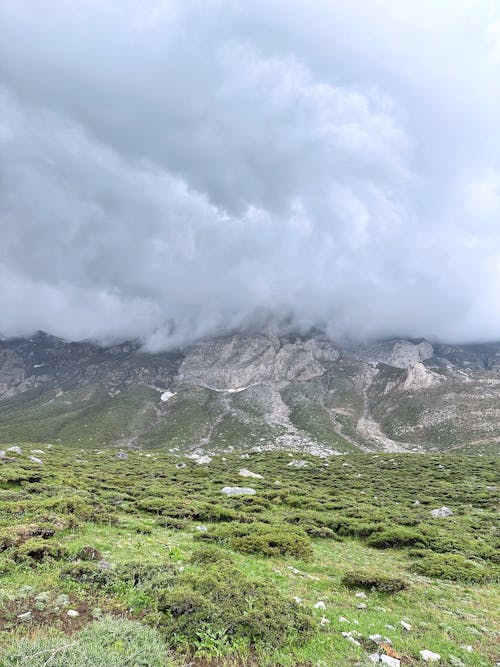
(122, 509)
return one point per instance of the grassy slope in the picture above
(356, 495)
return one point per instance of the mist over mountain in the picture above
(173, 170)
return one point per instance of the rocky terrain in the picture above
(253, 391)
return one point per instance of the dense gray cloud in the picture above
(172, 168)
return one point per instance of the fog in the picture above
(177, 169)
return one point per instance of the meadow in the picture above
(138, 559)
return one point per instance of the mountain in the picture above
(253, 391)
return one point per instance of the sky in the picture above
(173, 169)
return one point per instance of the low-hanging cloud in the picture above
(174, 169)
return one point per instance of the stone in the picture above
(298, 463)
(34, 459)
(376, 639)
(238, 491)
(24, 617)
(374, 657)
(180, 466)
(387, 660)
(429, 656)
(455, 662)
(343, 619)
(202, 529)
(320, 605)
(297, 599)
(247, 473)
(362, 605)
(353, 641)
(441, 512)
(324, 621)
(15, 450)
(72, 613)
(405, 626)
(361, 595)
(37, 451)
(122, 455)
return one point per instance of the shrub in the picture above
(109, 642)
(262, 538)
(226, 601)
(378, 582)
(86, 573)
(209, 554)
(453, 567)
(37, 550)
(396, 537)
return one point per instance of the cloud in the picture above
(173, 169)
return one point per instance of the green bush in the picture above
(37, 550)
(210, 554)
(453, 567)
(224, 601)
(262, 538)
(110, 642)
(86, 573)
(377, 582)
(399, 537)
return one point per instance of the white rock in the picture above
(353, 641)
(441, 512)
(166, 395)
(15, 449)
(376, 639)
(362, 605)
(180, 466)
(202, 529)
(298, 463)
(387, 660)
(24, 617)
(416, 503)
(37, 451)
(246, 473)
(2, 454)
(405, 626)
(34, 459)
(429, 656)
(389, 627)
(238, 491)
(374, 657)
(467, 648)
(320, 605)
(324, 621)
(343, 619)
(297, 599)
(72, 613)
(361, 595)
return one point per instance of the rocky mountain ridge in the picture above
(253, 390)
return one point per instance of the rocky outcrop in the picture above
(240, 361)
(420, 377)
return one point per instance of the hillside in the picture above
(253, 391)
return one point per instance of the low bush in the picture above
(110, 642)
(37, 550)
(399, 537)
(453, 567)
(262, 538)
(378, 582)
(224, 601)
(210, 554)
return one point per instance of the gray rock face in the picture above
(242, 361)
(238, 491)
(397, 353)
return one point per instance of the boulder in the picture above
(247, 473)
(238, 491)
(441, 512)
(429, 656)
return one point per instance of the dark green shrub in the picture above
(38, 550)
(209, 554)
(378, 582)
(453, 567)
(147, 577)
(226, 601)
(397, 538)
(170, 522)
(262, 538)
(86, 573)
